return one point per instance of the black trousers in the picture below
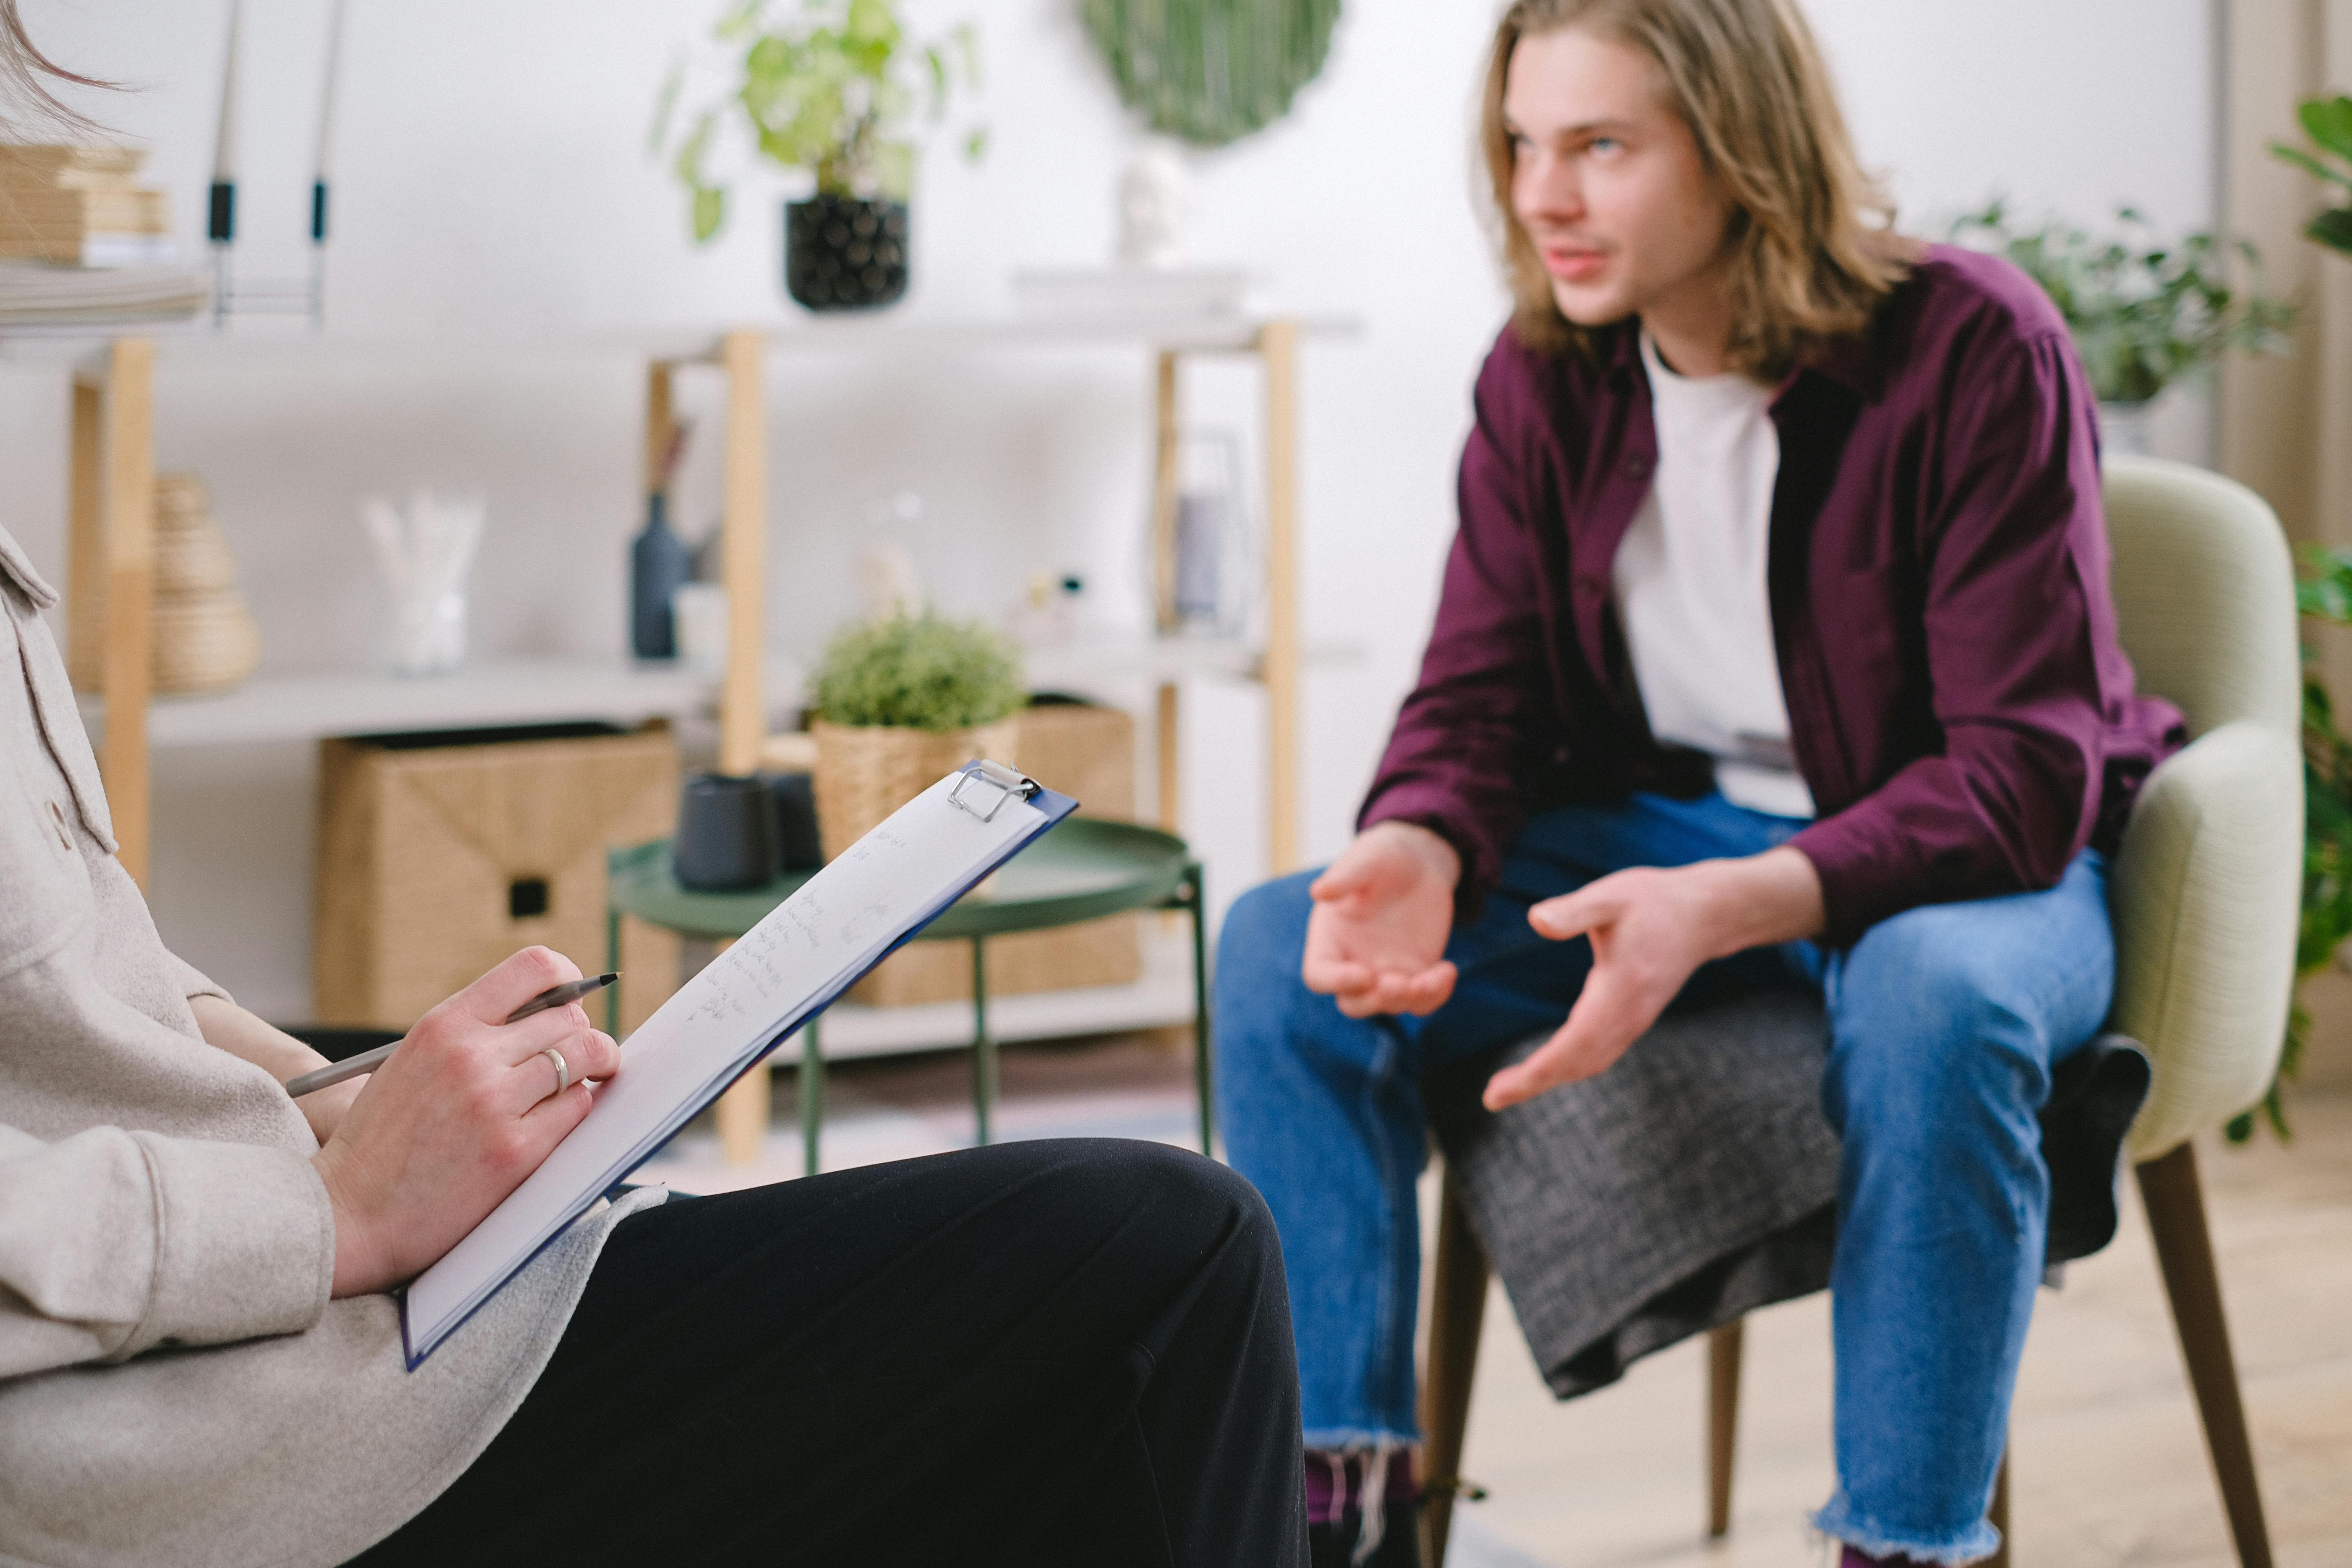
(1074, 1352)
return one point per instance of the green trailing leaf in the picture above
(665, 106)
(829, 87)
(2309, 164)
(920, 672)
(2328, 121)
(936, 63)
(1211, 71)
(2333, 228)
(709, 212)
(2142, 313)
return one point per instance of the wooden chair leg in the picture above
(1723, 1348)
(1999, 1513)
(1457, 1309)
(2184, 1248)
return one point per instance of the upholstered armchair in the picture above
(2204, 892)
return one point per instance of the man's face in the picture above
(1608, 181)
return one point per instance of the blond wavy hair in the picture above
(1814, 240)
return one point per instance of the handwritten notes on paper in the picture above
(807, 951)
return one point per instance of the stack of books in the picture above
(81, 206)
(82, 244)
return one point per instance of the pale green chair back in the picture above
(2206, 887)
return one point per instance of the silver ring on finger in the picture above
(562, 1069)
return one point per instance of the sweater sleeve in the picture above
(190, 981)
(2014, 610)
(1458, 759)
(114, 1242)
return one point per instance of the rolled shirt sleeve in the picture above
(1460, 755)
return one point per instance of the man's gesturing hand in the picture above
(1376, 940)
(454, 1120)
(1651, 929)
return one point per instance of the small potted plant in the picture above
(2142, 313)
(899, 704)
(829, 90)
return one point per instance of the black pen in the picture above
(368, 1061)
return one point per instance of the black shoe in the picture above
(1334, 1545)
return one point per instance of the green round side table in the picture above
(1081, 869)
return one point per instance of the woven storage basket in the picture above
(438, 859)
(1076, 748)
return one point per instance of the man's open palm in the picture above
(1376, 940)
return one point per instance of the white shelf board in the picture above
(1087, 659)
(1162, 996)
(278, 349)
(512, 691)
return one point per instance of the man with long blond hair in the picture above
(1774, 648)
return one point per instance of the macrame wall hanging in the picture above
(1211, 71)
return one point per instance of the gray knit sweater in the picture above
(175, 1386)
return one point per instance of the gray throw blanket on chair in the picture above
(1696, 1179)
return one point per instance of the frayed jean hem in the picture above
(1353, 1439)
(1839, 1523)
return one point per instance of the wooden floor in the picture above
(2109, 1464)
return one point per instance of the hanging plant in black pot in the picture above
(844, 254)
(825, 90)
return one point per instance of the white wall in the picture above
(492, 184)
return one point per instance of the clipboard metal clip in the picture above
(1005, 783)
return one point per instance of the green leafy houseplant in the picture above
(2328, 122)
(2324, 595)
(2142, 313)
(829, 87)
(920, 672)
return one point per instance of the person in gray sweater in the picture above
(1075, 1351)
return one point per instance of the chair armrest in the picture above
(2205, 895)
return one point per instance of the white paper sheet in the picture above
(809, 950)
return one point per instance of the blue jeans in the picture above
(1945, 1023)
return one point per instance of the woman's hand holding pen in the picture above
(454, 1120)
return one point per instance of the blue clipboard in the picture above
(981, 789)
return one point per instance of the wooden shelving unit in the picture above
(111, 547)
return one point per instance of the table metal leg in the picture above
(612, 966)
(983, 1047)
(1198, 900)
(812, 1097)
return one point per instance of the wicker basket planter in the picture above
(866, 772)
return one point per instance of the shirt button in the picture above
(1637, 468)
(58, 825)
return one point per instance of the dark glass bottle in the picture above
(659, 565)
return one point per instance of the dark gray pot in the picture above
(842, 254)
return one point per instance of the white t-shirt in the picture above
(1690, 588)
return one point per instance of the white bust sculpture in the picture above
(1155, 208)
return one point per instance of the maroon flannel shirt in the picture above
(1937, 575)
